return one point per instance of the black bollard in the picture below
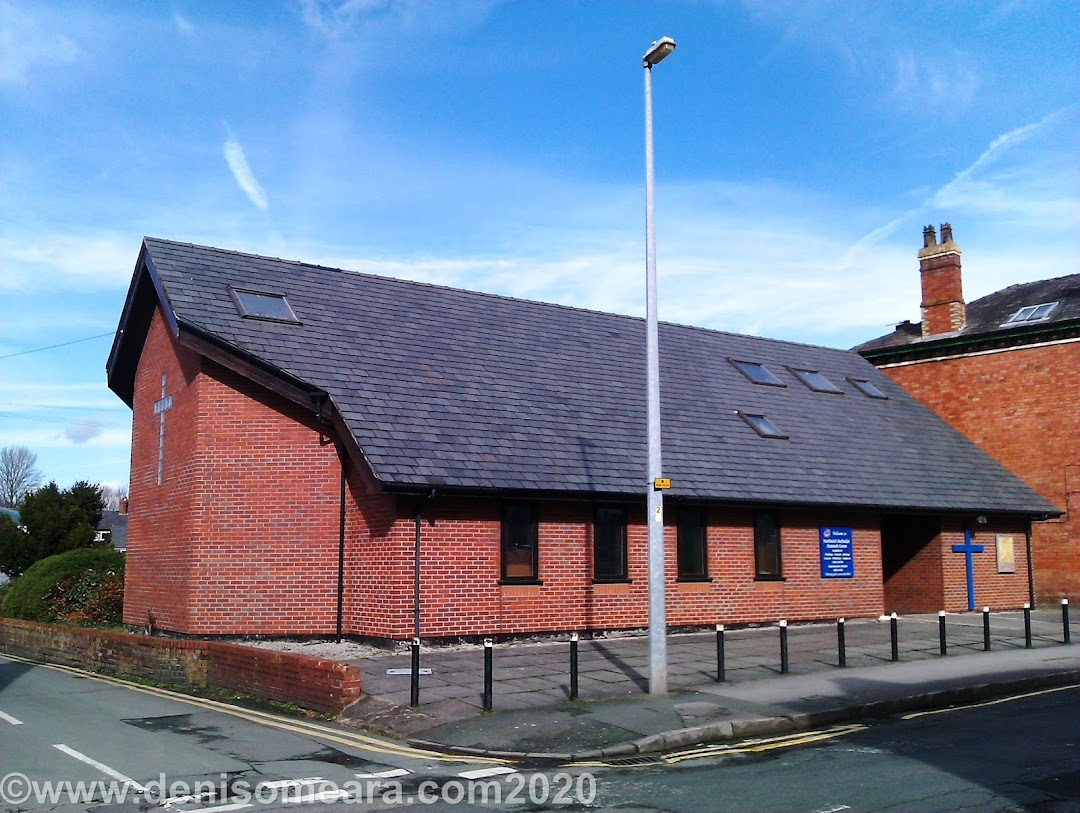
(1066, 637)
(414, 677)
(841, 646)
(1027, 626)
(488, 643)
(721, 671)
(986, 629)
(894, 636)
(941, 631)
(573, 666)
(783, 648)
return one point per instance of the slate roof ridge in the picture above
(489, 295)
(1018, 285)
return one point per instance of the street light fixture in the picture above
(658, 677)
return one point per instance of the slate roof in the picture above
(986, 317)
(116, 524)
(450, 388)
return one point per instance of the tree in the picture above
(56, 521)
(19, 474)
(113, 496)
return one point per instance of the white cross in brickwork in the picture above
(160, 408)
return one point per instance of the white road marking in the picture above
(483, 773)
(291, 783)
(105, 769)
(10, 719)
(220, 808)
(391, 774)
(836, 809)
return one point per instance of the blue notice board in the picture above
(837, 553)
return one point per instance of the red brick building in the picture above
(1005, 371)
(318, 451)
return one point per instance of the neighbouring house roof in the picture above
(11, 514)
(992, 321)
(467, 391)
(115, 524)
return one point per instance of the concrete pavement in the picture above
(616, 717)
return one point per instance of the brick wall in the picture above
(461, 595)
(313, 683)
(160, 523)
(241, 536)
(1021, 407)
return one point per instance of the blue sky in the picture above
(498, 146)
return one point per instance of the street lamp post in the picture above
(655, 517)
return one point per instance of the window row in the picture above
(521, 544)
(815, 380)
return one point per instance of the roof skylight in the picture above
(762, 425)
(869, 389)
(758, 373)
(816, 381)
(1031, 313)
(264, 305)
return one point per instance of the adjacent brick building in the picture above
(318, 451)
(1005, 371)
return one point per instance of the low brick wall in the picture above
(313, 683)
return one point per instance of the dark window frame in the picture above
(875, 392)
(767, 430)
(742, 365)
(805, 375)
(763, 565)
(246, 313)
(532, 532)
(623, 574)
(692, 521)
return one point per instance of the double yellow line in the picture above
(319, 731)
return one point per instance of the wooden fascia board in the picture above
(1012, 338)
(137, 314)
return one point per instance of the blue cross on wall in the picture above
(967, 549)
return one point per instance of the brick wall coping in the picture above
(318, 684)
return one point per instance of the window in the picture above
(263, 305)
(868, 389)
(1031, 313)
(762, 425)
(767, 545)
(520, 542)
(609, 544)
(692, 551)
(758, 373)
(816, 381)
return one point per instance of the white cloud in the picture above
(360, 19)
(82, 430)
(183, 24)
(945, 79)
(25, 44)
(38, 259)
(245, 178)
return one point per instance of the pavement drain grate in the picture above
(628, 762)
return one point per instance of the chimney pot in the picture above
(946, 233)
(929, 237)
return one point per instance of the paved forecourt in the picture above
(530, 675)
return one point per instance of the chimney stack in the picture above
(943, 309)
(123, 505)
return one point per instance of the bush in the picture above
(83, 586)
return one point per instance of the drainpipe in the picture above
(341, 550)
(416, 563)
(1030, 565)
